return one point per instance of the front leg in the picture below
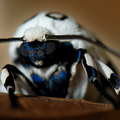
(90, 67)
(59, 82)
(9, 75)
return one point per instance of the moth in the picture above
(56, 57)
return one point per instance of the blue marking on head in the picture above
(35, 50)
(28, 46)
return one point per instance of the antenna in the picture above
(79, 37)
(65, 37)
(2, 40)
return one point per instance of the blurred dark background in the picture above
(102, 17)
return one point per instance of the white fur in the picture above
(36, 33)
(4, 75)
(90, 61)
(44, 73)
(104, 69)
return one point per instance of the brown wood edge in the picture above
(38, 107)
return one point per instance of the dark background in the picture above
(102, 17)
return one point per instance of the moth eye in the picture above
(23, 50)
(50, 48)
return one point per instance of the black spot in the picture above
(114, 81)
(9, 82)
(56, 16)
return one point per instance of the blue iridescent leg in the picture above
(59, 83)
(42, 85)
(90, 67)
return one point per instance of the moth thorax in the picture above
(36, 33)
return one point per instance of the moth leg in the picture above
(108, 73)
(9, 75)
(59, 82)
(90, 67)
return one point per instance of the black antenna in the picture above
(64, 37)
(11, 39)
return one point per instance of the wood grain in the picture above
(54, 108)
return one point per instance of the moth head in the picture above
(38, 53)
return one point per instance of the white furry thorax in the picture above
(36, 33)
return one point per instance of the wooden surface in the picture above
(54, 108)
